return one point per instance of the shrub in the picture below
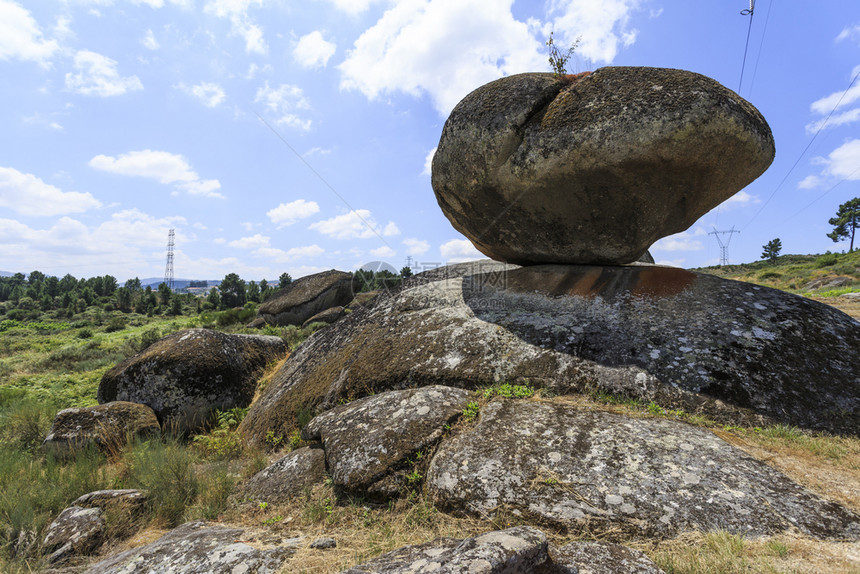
(115, 323)
(826, 260)
(165, 469)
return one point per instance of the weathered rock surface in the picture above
(607, 473)
(593, 169)
(365, 439)
(287, 477)
(108, 425)
(196, 548)
(105, 499)
(740, 353)
(307, 296)
(598, 557)
(185, 376)
(327, 316)
(76, 530)
(518, 550)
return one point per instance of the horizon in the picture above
(297, 138)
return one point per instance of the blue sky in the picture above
(296, 136)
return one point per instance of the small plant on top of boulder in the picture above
(558, 58)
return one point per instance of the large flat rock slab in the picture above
(739, 353)
(605, 473)
(198, 548)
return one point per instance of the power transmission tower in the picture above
(724, 246)
(168, 270)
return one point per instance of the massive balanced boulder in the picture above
(739, 353)
(185, 376)
(593, 168)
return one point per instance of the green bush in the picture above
(165, 468)
(826, 260)
(115, 323)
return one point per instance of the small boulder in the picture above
(76, 531)
(108, 499)
(593, 169)
(307, 296)
(107, 426)
(600, 557)
(613, 475)
(288, 477)
(185, 376)
(197, 548)
(327, 316)
(518, 550)
(365, 439)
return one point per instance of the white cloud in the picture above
(254, 69)
(236, 11)
(428, 162)
(255, 242)
(97, 75)
(313, 51)
(416, 246)
(810, 182)
(602, 27)
(149, 41)
(739, 199)
(20, 36)
(833, 121)
(356, 224)
(842, 164)
(353, 7)
(288, 213)
(284, 101)
(162, 166)
(281, 256)
(850, 33)
(382, 252)
(459, 250)
(129, 243)
(209, 94)
(446, 48)
(26, 194)
(684, 241)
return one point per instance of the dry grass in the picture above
(849, 306)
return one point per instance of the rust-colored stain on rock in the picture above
(607, 282)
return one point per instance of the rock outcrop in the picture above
(185, 376)
(76, 530)
(288, 477)
(198, 548)
(105, 426)
(517, 550)
(739, 353)
(307, 296)
(327, 316)
(593, 169)
(611, 475)
(366, 439)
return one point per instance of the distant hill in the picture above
(154, 282)
(820, 275)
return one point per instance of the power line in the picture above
(761, 43)
(808, 145)
(751, 11)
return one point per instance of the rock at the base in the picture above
(288, 477)
(307, 296)
(607, 473)
(518, 550)
(324, 543)
(538, 169)
(107, 426)
(736, 352)
(599, 557)
(365, 439)
(327, 316)
(185, 376)
(197, 548)
(75, 531)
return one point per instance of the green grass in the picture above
(797, 273)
